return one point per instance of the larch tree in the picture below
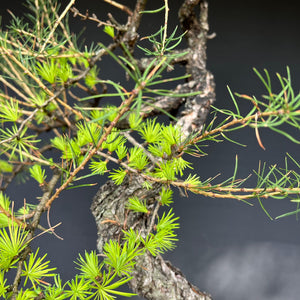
(63, 121)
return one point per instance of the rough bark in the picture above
(154, 278)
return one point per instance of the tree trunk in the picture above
(154, 278)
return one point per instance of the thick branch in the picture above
(131, 36)
(154, 278)
(196, 108)
(34, 224)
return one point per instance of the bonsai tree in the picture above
(63, 121)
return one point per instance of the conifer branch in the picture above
(144, 158)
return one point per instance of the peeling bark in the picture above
(154, 278)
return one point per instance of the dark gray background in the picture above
(226, 248)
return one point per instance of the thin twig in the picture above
(93, 18)
(57, 22)
(135, 143)
(165, 26)
(35, 222)
(241, 121)
(62, 25)
(120, 6)
(154, 214)
(123, 108)
(12, 217)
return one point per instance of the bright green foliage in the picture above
(171, 134)
(113, 141)
(6, 211)
(121, 151)
(193, 180)
(89, 265)
(161, 149)
(92, 78)
(42, 114)
(5, 166)
(121, 258)
(57, 70)
(9, 111)
(98, 167)
(4, 204)
(26, 295)
(165, 236)
(60, 143)
(151, 131)
(12, 242)
(99, 281)
(39, 99)
(150, 244)
(132, 237)
(64, 72)
(109, 30)
(3, 286)
(70, 148)
(164, 239)
(79, 289)
(36, 268)
(55, 291)
(48, 70)
(109, 131)
(167, 222)
(107, 288)
(134, 120)
(166, 196)
(135, 204)
(20, 143)
(118, 176)
(163, 140)
(88, 133)
(93, 282)
(166, 171)
(38, 173)
(99, 116)
(137, 158)
(181, 164)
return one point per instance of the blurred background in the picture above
(227, 248)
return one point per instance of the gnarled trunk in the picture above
(154, 278)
